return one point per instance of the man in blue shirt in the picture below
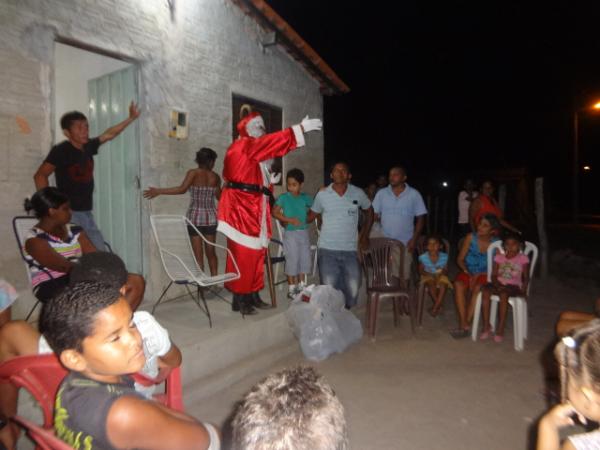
(338, 205)
(397, 206)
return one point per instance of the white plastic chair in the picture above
(518, 304)
(177, 256)
(281, 256)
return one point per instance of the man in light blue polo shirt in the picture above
(338, 204)
(397, 206)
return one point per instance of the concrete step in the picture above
(214, 358)
(207, 386)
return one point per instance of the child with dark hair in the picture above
(54, 245)
(91, 328)
(472, 261)
(291, 208)
(19, 338)
(73, 162)
(433, 268)
(295, 409)
(204, 186)
(578, 355)
(510, 277)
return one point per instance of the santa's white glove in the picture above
(274, 178)
(155, 338)
(311, 124)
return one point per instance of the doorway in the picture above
(102, 87)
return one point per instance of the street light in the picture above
(594, 108)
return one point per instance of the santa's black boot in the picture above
(246, 307)
(235, 303)
(258, 303)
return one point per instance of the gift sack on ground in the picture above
(321, 323)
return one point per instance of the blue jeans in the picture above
(341, 270)
(85, 220)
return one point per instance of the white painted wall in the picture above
(193, 61)
(73, 68)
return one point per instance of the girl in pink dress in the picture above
(510, 277)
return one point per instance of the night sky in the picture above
(451, 88)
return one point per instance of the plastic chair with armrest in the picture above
(43, 438)
(42, 375)
(179, 262)
(384, 283)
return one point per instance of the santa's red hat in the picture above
(242, 125)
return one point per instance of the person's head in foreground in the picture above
(578, 355)
(294, 409)
(89, 326)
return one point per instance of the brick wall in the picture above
(193, 59)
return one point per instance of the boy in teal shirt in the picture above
(291, 208)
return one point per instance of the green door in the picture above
(117, 208)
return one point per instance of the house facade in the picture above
(183, 59)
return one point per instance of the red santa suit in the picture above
(244, 215)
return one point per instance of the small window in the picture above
(271, 115)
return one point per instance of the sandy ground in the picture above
(429, 391)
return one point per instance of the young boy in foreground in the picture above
(90, 327)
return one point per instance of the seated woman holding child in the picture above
(472, 261)
(54, 245)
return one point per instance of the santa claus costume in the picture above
(244, 214)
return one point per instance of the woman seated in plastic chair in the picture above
(472, 261)
(54, 245)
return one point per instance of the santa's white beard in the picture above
(256, 127)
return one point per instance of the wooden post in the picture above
(429, 214)
(445, 219)
(541, 226)
(436, 214)
(502, 197)
(269, 263)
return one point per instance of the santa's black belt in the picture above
(249, 188)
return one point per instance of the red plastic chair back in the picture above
(173, 394)
(41, 375)
(44, 439)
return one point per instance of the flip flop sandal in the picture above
(459, 333)
(485, 335)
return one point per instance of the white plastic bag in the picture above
(322, 325)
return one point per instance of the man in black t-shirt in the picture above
(73, 162)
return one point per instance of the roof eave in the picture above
(287, 37)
